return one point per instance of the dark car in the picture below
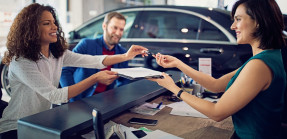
(187, 33)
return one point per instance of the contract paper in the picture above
(137, 73)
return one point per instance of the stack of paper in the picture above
(115, 130)
(137, 73)
(183, 109)
(158, 134)
(147, 109)
(124, 132)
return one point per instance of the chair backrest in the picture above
(284, 119)
(98, 124)
(3, 104)
(0, 95)
(284, 57)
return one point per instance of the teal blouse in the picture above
(261, 118)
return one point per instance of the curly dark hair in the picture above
(23, 39)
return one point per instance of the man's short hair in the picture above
(110, 15)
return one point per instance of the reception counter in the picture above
(65, 120)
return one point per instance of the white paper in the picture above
(158, 134)
(109, 130)
(183, 109)
(137, 72)
(147, 109)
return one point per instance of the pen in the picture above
(152, 108)
(158, 106)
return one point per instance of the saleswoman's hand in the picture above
(166, 82)
(166, 61)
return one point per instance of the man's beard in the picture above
(110, 40)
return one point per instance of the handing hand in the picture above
(135, 50)
(166, 82)
(106, 77)
(166, 61)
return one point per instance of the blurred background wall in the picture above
(73, 13)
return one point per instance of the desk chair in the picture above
(284, 114)
(284, 118)
(3, 104)
(98, 124)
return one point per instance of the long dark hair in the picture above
(270, 20)
(24, 36)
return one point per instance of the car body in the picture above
(187, 33)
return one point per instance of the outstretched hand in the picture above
(166, 82)
(166, 61)
(106, 77)
(136, 50)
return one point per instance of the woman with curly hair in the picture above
(37, 51)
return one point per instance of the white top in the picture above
(34, 85)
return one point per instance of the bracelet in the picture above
(179, 93)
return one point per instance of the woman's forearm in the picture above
(203, 106)
(130, 54)
(201, 78)
(114, 59)
(78, 88)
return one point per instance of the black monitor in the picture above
(98, 124)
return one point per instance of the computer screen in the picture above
(98, 124)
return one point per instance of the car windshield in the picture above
(175, 25)
(94, 29)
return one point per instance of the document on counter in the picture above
(137, 73)
(158, 134)
(114, 130)
(147, 109)
(183, 109)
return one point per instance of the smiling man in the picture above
(113, 27)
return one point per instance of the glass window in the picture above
(94, 29)
(208, 31)
(130, 18)
(175, 25)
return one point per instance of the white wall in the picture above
(83, 10)
(201, 3)
(283, 5)
(76, 13)
(213, 3)
(8, 11)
